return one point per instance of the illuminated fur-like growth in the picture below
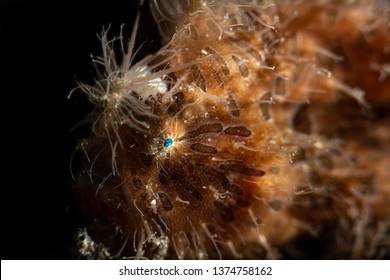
(220, 144)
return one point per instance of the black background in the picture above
(45, 51)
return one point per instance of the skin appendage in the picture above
(258, 124)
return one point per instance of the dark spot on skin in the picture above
(177, 97)
(233, 107)
(163, 177)
(211, 171)
(297, 155)
(146, 159)
(242, 169)
(232, 187)
(242, 66)
(220, 206)
(238, 130)
(225, 212)
(242, 202)
(176, 104)
(203, 129)
(275, 204)
(203, 148)
(220, 176)
(186, 184)
(165, 201)
(301, 121)
(137, 183)
(280, 86)
(264, 104)
(172, 111)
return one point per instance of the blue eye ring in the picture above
(168, 142)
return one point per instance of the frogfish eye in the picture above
(168, 143)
